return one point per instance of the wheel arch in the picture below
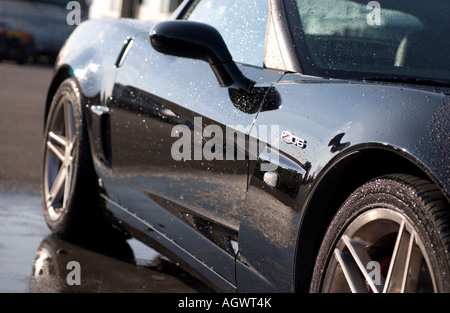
(337, 181)
(61, 74)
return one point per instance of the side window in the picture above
(242, 24)
(356, 35)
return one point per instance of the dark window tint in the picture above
(396, 37)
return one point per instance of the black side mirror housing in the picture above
(200, 41)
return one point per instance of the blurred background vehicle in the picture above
(44, 20)
(15, 45)
(3, 42)
(39, 28)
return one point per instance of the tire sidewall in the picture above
(387, 194)
(69, 88)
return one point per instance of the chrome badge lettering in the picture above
(289, 138)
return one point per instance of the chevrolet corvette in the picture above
(264, 146)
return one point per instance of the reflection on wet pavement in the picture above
(21, 230)
(53, 272)
(33, 260)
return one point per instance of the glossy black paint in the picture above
(165, 186)
(197, 210)
(353, 131)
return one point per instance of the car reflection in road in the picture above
(104, 267)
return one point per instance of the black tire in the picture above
(391, 235)
(72, 205)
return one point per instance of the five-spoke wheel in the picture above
(58, 165)
(391, 235)
(72, 206)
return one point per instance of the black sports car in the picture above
(266, 146)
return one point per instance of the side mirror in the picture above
(200, 41)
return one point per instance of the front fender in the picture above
(351, 132)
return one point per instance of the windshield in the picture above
(359, 39)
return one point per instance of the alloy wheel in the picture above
(379, 252)
(59, 158)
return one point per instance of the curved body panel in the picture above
(239, 183)
(338, 120)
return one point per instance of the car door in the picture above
(180, 142)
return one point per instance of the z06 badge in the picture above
(289, 138)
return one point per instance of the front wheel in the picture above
(72, 206)
(391, 235)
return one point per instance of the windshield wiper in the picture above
(408, 80)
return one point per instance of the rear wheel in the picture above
(391, 235)
(72, 205)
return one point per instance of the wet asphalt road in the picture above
(31, 259)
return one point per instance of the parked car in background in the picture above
(15, 45)
(265, 146)
(44, 20)
(3, 41)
